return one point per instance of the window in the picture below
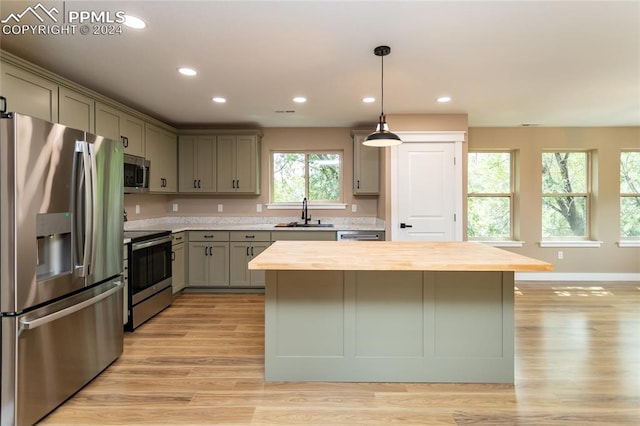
(630, 194)
(490, 195)
(314, 175)
(565, 195)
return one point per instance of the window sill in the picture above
(569, 243)
(629, 243)
(298, 206)
(500, 243)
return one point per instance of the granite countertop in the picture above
(392, 256)
(197, 223)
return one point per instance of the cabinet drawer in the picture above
(208, 235)
(250, 236)
(178, 238)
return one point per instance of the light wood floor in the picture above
(201, 362)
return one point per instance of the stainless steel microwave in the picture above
(136, 174)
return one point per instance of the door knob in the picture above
(404, 225)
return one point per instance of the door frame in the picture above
(455, 137)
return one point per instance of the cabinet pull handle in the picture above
(173, 256)
(206, 253)
(208, 236)
(238, 184)
(194, 183)
(251, 251)
(247, 251)
(125, 141)
(198, 183)
(249, 236)
(358, 185)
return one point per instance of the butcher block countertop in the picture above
(392, 256)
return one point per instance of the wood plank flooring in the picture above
(200, 362)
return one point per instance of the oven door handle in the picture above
(35, 323)
(151, 243)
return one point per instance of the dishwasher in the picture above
(360, 236)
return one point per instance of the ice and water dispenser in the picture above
(53, 233)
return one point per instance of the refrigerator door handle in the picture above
(38, 322)
(93, 212)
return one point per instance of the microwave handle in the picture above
(145, 176)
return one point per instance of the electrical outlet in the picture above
(560, 255)
(137, 208)
(354, 208)
(220, 208)
(175, 207)
(259, 208)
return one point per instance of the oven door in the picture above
(149, 268)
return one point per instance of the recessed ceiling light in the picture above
(187, 71)
(218, 100)
(299, 99)
(369, 100)
(134, 22)
(443, 99)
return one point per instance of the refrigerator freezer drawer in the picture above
(49, 354)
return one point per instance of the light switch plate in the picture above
(219, 208)
(137, 208)
(354, 208)
(175, 207)
(259, 208)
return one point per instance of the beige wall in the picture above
(606, 144)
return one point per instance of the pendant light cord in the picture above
(382, 87)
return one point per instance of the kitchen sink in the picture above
(304, 225)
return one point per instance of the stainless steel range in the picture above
(149, 275)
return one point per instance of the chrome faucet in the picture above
(305, 211)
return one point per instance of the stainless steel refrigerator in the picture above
(61, 203)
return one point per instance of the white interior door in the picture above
(427, 191)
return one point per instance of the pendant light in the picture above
(382, 136)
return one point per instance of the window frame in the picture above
(510, 195)
(588, 195)
(327, 204)
(633, 238)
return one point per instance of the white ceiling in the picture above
(504, 63)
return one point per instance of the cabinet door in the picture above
(219, 264)
(257, 276)
(366, 168)
(76, 110)
(225, 164)
(206, 163)
(198, 264)
(132, 130)
(107, 122)
(245, 161)
(160, 150)
(29, 94)
(177, 268)
(238, 270)
(187, 160)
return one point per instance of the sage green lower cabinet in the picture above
(208, 259)
(244, 246)
(178, 265)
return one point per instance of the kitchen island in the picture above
(390, 311)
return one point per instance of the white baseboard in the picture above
(576, 276)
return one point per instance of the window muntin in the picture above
(490, 196)
(630, 194)
(565, 195)
(315, 175)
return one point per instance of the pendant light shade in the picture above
(382, 136)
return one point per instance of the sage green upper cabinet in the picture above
(238, 164)
(28, 93)
(196, 163)
(161, 149)
(118, 125)
(366, 166)
(76, 110)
